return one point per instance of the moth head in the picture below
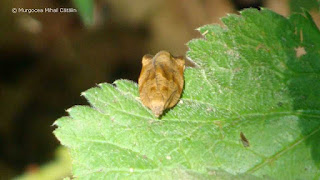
(162, 56)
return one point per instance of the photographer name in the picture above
(44, 10)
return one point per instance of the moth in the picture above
(161, 81)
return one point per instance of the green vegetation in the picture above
(259, 75)
(85, 8)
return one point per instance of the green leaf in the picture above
(85, 8)
(259, 75)
(299, 5)
(59, 168)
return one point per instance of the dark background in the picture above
(47, 60)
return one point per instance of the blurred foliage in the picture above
(58, 168)
(299, 5)
(85, 8)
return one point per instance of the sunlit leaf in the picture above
(259, 76)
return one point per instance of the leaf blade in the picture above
(249, 81)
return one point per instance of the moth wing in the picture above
(146, 59)
(146, 66)
(180, 62)
(173, 100)
(178, 81)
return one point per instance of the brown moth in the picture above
(161, 81)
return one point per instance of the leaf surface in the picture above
(259, 75)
